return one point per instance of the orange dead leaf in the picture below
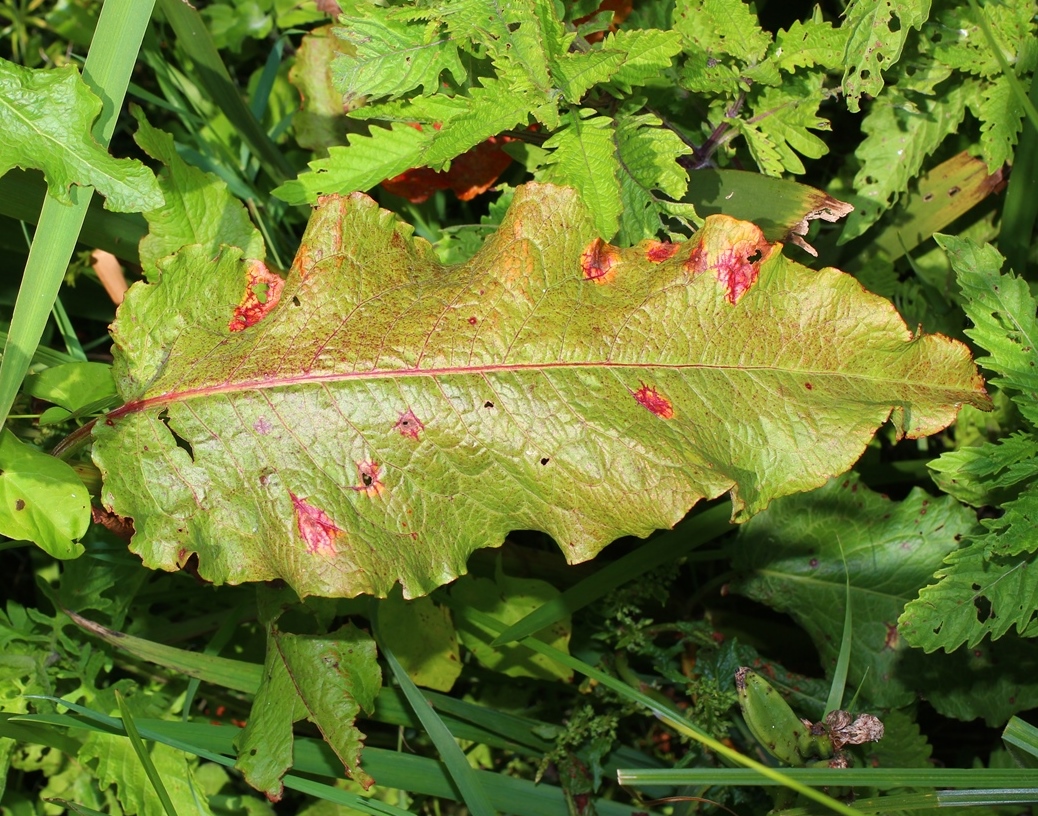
(470, 174)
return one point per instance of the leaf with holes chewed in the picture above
(378, 417)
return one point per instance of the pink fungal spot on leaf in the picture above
(370, 473)
(599, 261)
(473, 321)
(409, 424)
(262, 292)
(654, 401)
(733, 250)
(262, 426)
(317, 529)
(659, 251)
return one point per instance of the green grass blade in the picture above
(688, 535)
(407, 772)
(463, 774)
(22, 193)
(196, 41)
(113, 725)
(664, 711)
(1020, 210)
(68, 334)
(991, 779)
(141, 750)
(843, 660)
(216, 644)
(1021, 738)
(113, 51)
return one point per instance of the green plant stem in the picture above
(113, 52)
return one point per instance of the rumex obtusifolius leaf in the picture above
(384, 416)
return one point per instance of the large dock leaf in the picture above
(377, 417)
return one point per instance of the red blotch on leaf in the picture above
(736, 266)
(409, 424)
(262, 292)
(659, 251)
(653, 400)
(598, 261)
(370, 473)
(470, 174)
(317, 529)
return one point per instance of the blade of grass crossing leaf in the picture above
(141, 750)
(326, 792)
(991, 779)
(196, 41)
(663, 711)
(113, 51)
(68, 334)
(688, 535)
(220, 639)
(463, 774)
(1021, 738)
(843, 660)
(1020, 210)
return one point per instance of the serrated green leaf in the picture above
(648, 156)
(326, 679)
(762, 147)
(899, 137)
(807, 44)
(41, 499)
(47, 116)
(875, 41)
(784, 116)
(793, 556)
(985, 588)
(1002, 311)
(421, 635)
(198, 207)
(388, 152)
(577, 73)
(1001, 119)
(388, 57)
(988, 474)
(721, 27)
(648, 55)
(701, 73)
(390, 416)
(583, 156)
(955, 38)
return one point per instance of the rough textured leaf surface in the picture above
(47, 116)
(388, 415)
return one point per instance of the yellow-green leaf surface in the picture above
(380, 416)
(47, 116)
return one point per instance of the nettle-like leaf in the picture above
(900, 134)
(782, 121)
(1001, 119)
(875, 41)
(583, 156)
(722, 27)
(810, 43)
(326, 679)
(647, 55)
(955, 37)
(800, 553)
(388, 152)
(379, 417)
(48, 115)
(388, 57)
(986, 588)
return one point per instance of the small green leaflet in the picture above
(378, 417)
(47, 116)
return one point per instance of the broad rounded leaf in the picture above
(380, 417)
(47, 116)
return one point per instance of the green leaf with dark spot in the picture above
(383, 416)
